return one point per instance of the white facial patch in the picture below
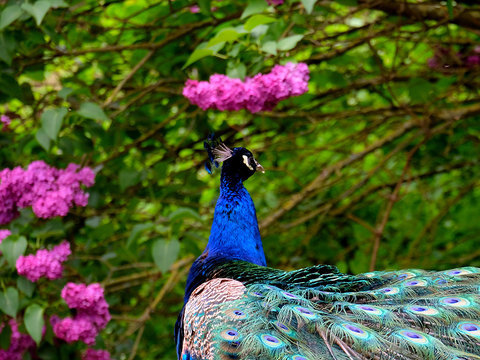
(245, 161)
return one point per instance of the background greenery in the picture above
(376, 167)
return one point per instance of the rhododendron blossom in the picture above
(44, 263)
(49, 191)
(92, 313)
(262, 92)
(92, 354)
(19, 343)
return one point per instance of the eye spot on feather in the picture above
(369, 309)
(230, 335)
(416, 283)
(458, 272)
(423, 310)
(271, 341)
(355, 331)
(470, 328)
(284, 329)
(413, 337)
(245, 161)
(440, 281)
(405, 275)
(390, 290)
(236, 314)
(289, 295)
(305, 312)
(455, 301)
(298, 357)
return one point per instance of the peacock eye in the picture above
(247, 162)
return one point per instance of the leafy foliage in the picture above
(375, 167)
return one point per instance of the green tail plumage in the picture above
(251, 312)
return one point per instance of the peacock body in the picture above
(237, 308)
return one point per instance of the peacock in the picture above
(235, 307)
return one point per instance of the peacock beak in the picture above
(260, 168)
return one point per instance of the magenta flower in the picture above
(92, 313)
(260, 93)
(4, 233)
(92, 354)
(275, 2)
(49, 191)
(19, 343)
(194, 9)
(44, 263)
(5, 120)
(472, 60)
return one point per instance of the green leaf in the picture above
(25, 286)
(257, 20)
(37, 10)
(184, 212)
(165, 253)
(254, 7)
(7, 47)
(289, 43)
(58, 3)
(348, 2)
(5, 336)
(450, 8)
(34, 322)
(9, 85)
(43, 139)
(12, 247)
(308, 5)
(127, 178)
(137, 231)
(225, 35)
(92, 111)
(197, 55)
(238, 71)
(270, 47)
(52, 121)
(420, 90)
(9, 302)
(205, 6)
(65, 92)
(9, 15)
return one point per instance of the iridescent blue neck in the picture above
(234, 234)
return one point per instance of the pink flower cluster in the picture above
(4, 233)
(262, 92)
(446, 59)
(44, 263)
(50, 191)
(19, 343)
(92, 313)
(5, 120)
(275, 2)
(92, 354)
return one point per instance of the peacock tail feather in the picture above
(251, 312)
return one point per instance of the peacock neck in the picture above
(235, 234)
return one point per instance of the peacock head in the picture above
(238, 162)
